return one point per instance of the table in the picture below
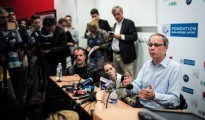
(88, 108)
(117, 114)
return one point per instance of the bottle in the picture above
(59, 72)
(113, 99)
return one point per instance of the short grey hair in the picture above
(165, 39)
(116, 7)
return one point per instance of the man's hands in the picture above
(115, 35)
(147, 93)
(127, 79)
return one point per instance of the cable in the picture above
(85, 106)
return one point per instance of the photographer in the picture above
(10, 43)
(9, 40)
(51, 45)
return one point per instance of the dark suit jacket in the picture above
(127, 46)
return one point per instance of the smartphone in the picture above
(111, 33)
(122, 78)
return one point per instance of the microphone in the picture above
(81, 97)
(86, 82)
(129, 87)
(90, 98)
(94, 70)
(59, 80)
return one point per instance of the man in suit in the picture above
(124, 36)
(103, 24)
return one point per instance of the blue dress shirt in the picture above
(164, 79)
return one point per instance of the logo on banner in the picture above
(188, 2)
(188, 90)
(166, 29)
(184, 30)
(187, 62)
(186, 78)
(173, 3)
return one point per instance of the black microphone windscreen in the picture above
(104, 75)
(129, 86)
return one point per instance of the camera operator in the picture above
(10, 43)
(8, 58)
(51, 45)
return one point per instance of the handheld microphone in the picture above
(94, 70)
(128, 87)
(86, 82)
(64, 66)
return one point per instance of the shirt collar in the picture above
(121, 21)
(164, 62)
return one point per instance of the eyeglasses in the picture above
(155, 44)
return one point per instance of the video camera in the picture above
(6, 35)
(46, 40)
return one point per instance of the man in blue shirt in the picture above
(157, 83)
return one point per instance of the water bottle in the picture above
(59, 72)
(113, 99)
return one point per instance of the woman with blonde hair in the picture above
(98, 41)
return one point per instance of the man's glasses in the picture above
(155, 44)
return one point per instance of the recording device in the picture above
(90, 98)
(128, 87)
(86, 82)
(105, 83)
(11, 25)
(123, 77)
(46, 39)
(111, 32)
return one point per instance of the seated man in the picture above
(157, 83)
(81, 67)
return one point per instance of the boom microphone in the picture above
(128, 87)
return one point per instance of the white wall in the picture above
(142, 12)
(184, 47)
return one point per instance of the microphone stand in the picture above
(127, 87)
(59, 80)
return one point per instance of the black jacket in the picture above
(127, 46)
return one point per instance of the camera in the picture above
(7, 30)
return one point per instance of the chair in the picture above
(183, 104)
